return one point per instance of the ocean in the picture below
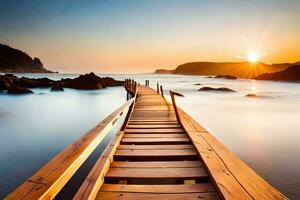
(264, 131)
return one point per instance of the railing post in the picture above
(175, 106)
(161, 91)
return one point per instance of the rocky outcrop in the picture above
(57, 88)
(289, 74)
(226, 76)
(221, 89)
(84, 82)
(15, 89)
(13, 60)
(251, 95)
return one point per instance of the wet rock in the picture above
(15, 89)
(251, 95)
(221, 89)
(226, 76)
(57, 88)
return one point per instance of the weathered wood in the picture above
(157, 164)
(152, 173)
(164, 130)
(157, 147)
(159, 152)
(155, 135)
(149, 196)
(159, 189)
(233, 177)
(155, 140)
(49, 180)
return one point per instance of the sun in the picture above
(253, 57)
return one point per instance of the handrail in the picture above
(50, 179)
(93, 182)
(233, 178)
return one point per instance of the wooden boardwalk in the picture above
(159, 153)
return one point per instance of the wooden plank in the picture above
(233, 177)
(153, 135)
(169, 130)
(158, 189)
(155, 140)
(157, 164)
(153, 126)
(160, 152)
(49, 180)
(157, 147)
(152, 173)
(147, 196)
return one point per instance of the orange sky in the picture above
(135, 36)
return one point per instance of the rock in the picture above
(221, 89)
(197, 84)
(15, 89)
(290, 74)
(251, 95)
(110, 82)
(6, 81)
(226, 76)
(208, 77)
(87, 82)
(57, 88)
(34, 83)
(14, 60)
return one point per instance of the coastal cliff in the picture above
(238, 69)
(290, 74)
(16, 61)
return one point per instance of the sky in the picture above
(120, 36)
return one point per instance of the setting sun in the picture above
(253, 57)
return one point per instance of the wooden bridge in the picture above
(160, 153)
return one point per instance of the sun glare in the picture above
(253, 57)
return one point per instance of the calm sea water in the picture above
(264, 131)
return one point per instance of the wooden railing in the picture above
(91, 185)
(233, 178)
(51, 178)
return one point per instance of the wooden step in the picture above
(158, 189)
(169, 130)
(164, 152)
(155, 140)
(149, 196)
(182, 146)
(170, 164)
(156, 173)
(153, 135)
(152, 126)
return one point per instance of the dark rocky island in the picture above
(290, 74)
(237, 69)
(15, 85)
(210, 89)
(226, 76)
(16, 61)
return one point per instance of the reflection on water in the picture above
(263, 131)
(36, 127)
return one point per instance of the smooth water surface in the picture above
(262, 131)
(35, 127)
